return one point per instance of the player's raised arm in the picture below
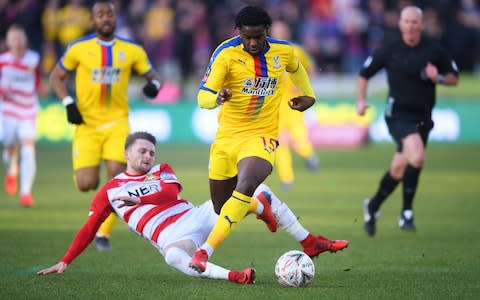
(302, 82)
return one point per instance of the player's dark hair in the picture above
(252, 16)
(16, 26)
(131, 138)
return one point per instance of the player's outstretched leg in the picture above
(102, 239)
(28, 167)
(10, 161)
(179, 259)
(312, 245)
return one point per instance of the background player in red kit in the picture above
(19, 84)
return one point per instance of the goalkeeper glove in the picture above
(73, 114)
(151, 88)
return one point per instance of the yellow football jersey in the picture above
(288, 116)
(254, 82)
(102, 71)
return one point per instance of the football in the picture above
(294, 269)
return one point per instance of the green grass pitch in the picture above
(440, 261)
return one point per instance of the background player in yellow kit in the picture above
(292, 130)
(243, 76)
(102, 63)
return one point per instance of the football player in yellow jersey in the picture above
(293, 132)
(102, 63)
(243, 77)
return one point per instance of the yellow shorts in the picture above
(91, 145)
(225, 153)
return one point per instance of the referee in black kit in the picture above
(414, 65)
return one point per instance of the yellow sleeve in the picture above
(216, 73)
(69, 60)
(304, 58)
(206, 99)
(301, 81)
(142, 65)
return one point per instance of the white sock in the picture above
(285, 218)
(27, 168)
(179, 259)
(208, 248)
(10, 162)
(259, 209)
(5, 157)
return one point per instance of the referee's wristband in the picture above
(440, 79)
(67, 101)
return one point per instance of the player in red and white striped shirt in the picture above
(147, 199)
(19, 83)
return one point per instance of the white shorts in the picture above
(15, 130)
(195, 225)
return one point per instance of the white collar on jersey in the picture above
(105, 43)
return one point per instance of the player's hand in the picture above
(362, 107)
(58, 268)
(431, 72)
(301, 103)
(150, 90)
(73, 114)
(127, 201)
(223, 96)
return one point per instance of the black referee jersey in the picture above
(411, 95)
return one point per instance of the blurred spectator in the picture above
(73, 22)
(321, 35)
(159, 36)
(51, 49)
(180, 35)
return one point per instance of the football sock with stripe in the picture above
(386, 187)
(106, 228)
(410, 183)
(232, 212)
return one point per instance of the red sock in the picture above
(308, 240)
(234, 276)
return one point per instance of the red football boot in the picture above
(11, 185)
(314, 245)
(267, 215)
(247, 276)
(26, 200)
(199, 261)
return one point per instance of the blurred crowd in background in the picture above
(180, 35)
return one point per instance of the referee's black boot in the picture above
(406, 221)
(370, 218)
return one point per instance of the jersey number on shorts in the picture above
(271, 145)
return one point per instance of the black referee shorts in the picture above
(400, 128)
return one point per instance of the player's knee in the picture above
(86, 184)
(172, 257)
(417, 160)
(247, 186)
